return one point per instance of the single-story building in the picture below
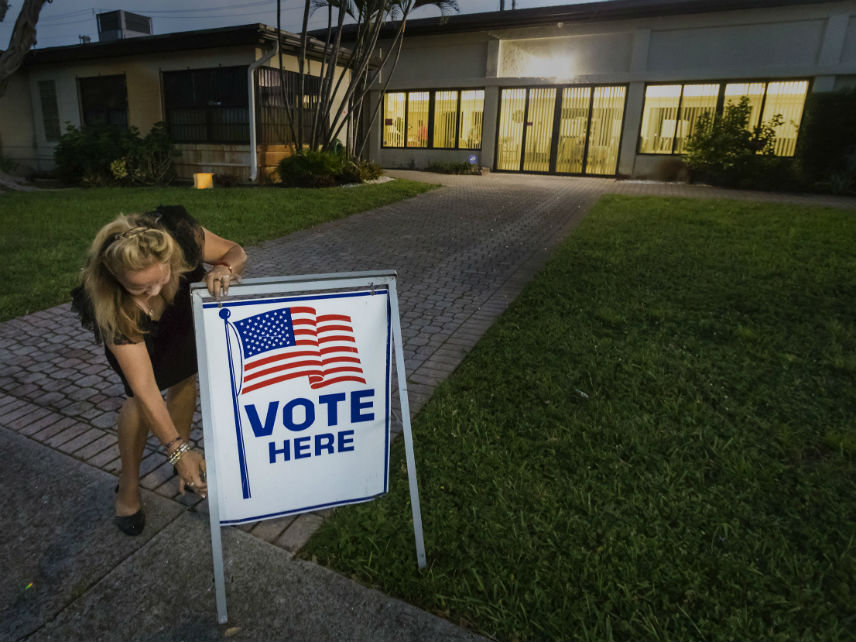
(604, 88)
(608, 88)
(197, 82)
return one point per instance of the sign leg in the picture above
(405, 426)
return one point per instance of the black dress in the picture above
(170, 340)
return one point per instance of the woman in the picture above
(135, 297)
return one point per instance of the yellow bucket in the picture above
(203, 180)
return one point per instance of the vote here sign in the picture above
(299, 390)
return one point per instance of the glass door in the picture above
(581, 138)
(607, 114)
(539, 129)
(573, 127)
(510, 140)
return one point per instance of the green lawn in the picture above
(655, 442)
(46, 234)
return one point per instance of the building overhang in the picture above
(251, 35)
(570, 14)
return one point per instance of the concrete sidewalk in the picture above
(69, 574)
(462, 252)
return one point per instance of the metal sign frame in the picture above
(309, 284)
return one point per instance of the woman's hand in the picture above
(227, 259)
(218, 280)
(191, 472)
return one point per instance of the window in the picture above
(445, 118)
(441, 119)
(273, 121)
(472, 115)
(659, 119)
(50, 112)
(207, 105)
(417, 118)
(787, 99)
(104, 100)
(696, 100)
(671, 112)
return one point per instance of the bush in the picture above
(308, 168)
(723, 151)
(227, 180)
(453, 168)
(826, 150)
(110, 155)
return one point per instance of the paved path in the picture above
(463, 253)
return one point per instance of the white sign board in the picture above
(295, 383)
(300, 394)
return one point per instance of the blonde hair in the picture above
(129, 243)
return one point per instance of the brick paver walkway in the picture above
(462, 252)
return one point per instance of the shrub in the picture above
(723, 151)
(7, 165)
(308, 168)
(453, 168)
(826, 149)
(227, 180)
(369, 170)
(110, 155)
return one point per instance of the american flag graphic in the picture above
(296, 342)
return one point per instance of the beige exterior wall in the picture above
(17, 113)
(804, 41)
(142, 81)
(22, 132)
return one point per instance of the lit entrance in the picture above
(561, 130)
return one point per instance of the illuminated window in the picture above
(393, 119)
(659, 119)
(754, 91)
(472, 116)
(510, 139)
(417, 118)
(441, 119)
(671, 112)
(787, 99)
(696, 100)
(445, 118)
(605, 132)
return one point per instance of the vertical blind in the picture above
(671, 112)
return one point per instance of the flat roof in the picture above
(587, 12)
(256, 34)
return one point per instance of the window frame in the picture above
(720, 104)
(83, 80)
(210, 109)
(557, 115)
(431, 114)
(266, 127)
(50, 121)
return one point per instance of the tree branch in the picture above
(22, 40)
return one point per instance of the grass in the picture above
(46, 234)
(655, 442)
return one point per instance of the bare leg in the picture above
(132, 440)
(181, 404)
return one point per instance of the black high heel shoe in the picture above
(131, 524)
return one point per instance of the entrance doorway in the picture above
(560, 130)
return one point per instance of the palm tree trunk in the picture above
(301, 64)
(282, 94)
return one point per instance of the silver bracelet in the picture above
(179, 452)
